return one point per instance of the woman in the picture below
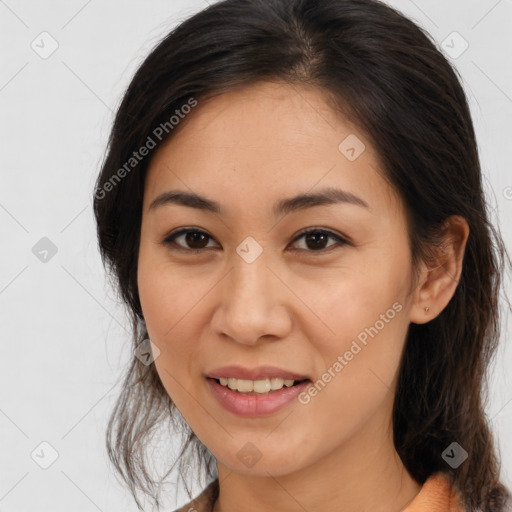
(314, 375)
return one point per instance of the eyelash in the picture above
(170, 240)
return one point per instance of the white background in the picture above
(64, 337)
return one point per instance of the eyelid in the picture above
(169, 239)
(340, 239)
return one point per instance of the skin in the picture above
(296, 306)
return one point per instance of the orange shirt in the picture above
(436, 495)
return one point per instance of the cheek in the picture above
(366, 313)
(160, 305)
(171, 300)
(356, 300)
(360, 363)
(163, 307)
(164, 292)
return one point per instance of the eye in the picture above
(196, 240)
(315, 239)
(194, 237)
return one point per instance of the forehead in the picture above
(265, 142)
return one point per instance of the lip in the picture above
(251, 406)
(259, 373)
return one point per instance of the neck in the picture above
(365, 473)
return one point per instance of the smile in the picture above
(254, 404)
(257, 386)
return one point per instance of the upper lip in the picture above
(259, 373)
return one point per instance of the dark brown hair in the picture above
(385, 74)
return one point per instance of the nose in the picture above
(252, 303)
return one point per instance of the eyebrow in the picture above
(323, 197)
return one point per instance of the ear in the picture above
(438, 281)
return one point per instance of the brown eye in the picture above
(316, 239)
(194, 240)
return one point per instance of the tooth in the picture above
(276, 383)
(232, 383)
(258, 386)
(244, 386)
(261, 386)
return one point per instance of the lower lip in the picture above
(254, 405)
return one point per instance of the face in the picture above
(244, 286)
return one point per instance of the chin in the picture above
(251, 461)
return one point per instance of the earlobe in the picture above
(438, 283)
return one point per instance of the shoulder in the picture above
(205, 500)
(436, 495)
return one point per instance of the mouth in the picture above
(263, 380)
(256, 398)
(255, 392)
(258, 387)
